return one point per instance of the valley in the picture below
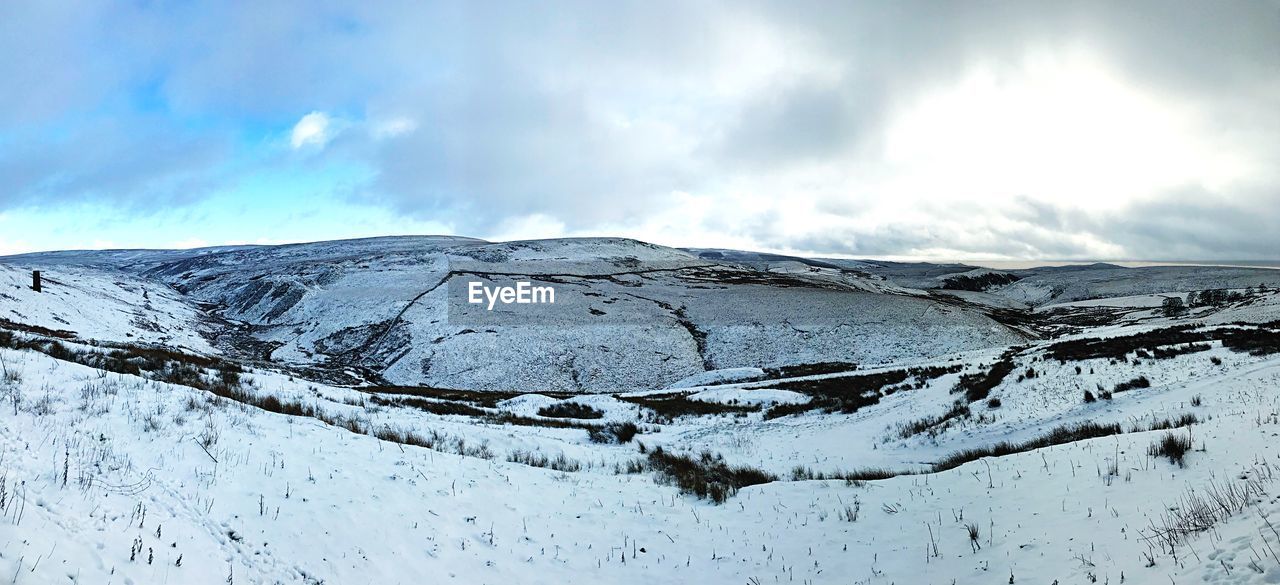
(334, 413)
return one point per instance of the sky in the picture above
(958, 130)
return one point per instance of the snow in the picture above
(749, 396)
(724, 376)
(96, 305)
(290, 499)
(98, 467)
(384, 306)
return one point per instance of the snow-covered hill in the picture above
(259, 477)
(1064, 284)
(96, 304)
(381, 309)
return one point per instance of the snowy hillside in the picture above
(264, 415)
(381, 310)
(1069, 283)
(95, 304)
(196, 472)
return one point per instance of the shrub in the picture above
(441, 407)
(511, 418)
(1172, 445)
(848, 394)
(1088, 396)
(1118, 347)
(706, 476)
(993, 403)
(1162, 353)
(614, 432)
(977, 386)
(669, 407)
(570, 410)
(815, 369)
(1139, 382)
(1258, 342)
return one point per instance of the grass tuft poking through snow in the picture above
(1172, 445)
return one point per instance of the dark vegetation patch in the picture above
(1063, 434)
(1120, 346)
(34, 329)
(708, 476)
(441, 407)
(613, 433)
(854, 477)
(511, 418)
(934, 425)
(1082, 316)
(977, 386)
(1257, 342)
(1164, 353)
(723, 275)
(157, 363)
(814, 369)
(979, 283)
(452, 402)
(570, 410)
(668, 407)
(223, 379)
(847, 394)
(705, 476)
(1182, 420)
(1139, 382)
(1069, 433)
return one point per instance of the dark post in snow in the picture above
(35, 280)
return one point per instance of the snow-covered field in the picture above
(203, 475)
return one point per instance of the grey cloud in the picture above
(593, 113)
(1197, 224)
(140, 163)
(1189, 224)
(793, 124)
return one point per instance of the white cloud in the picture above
(314, 129)
(851, 127)
(392, 127)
